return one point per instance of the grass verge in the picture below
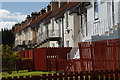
(24, 73)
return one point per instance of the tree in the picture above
(7, 37)
(8, 58)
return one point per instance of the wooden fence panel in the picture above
(100, 55)
(97, 55)
(22, 54)
(40, 59)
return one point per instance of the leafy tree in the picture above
(6, 50)
(8, 58)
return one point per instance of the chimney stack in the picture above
(28, 16)
(22, 23)
(54, 5)
(28, 19)
(62, 3)
(48, 7)
(43, 11)
(16, 26)
(34, 15)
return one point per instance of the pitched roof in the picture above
(35, 21)
(60, 12)
(48, 15)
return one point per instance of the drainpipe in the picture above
(62, 33)
(113, 12)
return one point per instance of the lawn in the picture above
(24, 73)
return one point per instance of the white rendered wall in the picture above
(69, 36)
(105, 21)
(55, 43)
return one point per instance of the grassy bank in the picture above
(24, 73)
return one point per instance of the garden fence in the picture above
(96, 55)
(92, 75)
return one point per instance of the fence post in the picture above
(101, 75)
(106, 75)
(71, 75)
(86, 75)
(81, 74)
(96, 75)
(116, 74)
(44, 77)
(65, 76)
(60, 76)
(49, 76)
(92, 75)
(76, 75)
(15, 78)
(27, 78)
(54, 77)
(111, 75)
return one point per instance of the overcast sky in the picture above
(14, 12)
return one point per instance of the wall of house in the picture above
(76, 28)
(52, 26)
(20, 38)
(47, 44)
(26, 36)
(16, 39)
(54, 44)
(105, 19)
(68, 36)
(23, 35)
(77, 25)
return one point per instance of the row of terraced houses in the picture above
(64, 24)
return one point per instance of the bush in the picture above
(24, 64)
(8, 58)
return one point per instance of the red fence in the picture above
(26, 54)
(45, 58)
(24, 64)
(39, 59)
(98, 55)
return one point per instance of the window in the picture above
(67, 43)
(53, 44)
(96, 10)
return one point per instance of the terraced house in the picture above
(64, 24)
(55, 26)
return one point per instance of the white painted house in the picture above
(101, 22)
(65, 24)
